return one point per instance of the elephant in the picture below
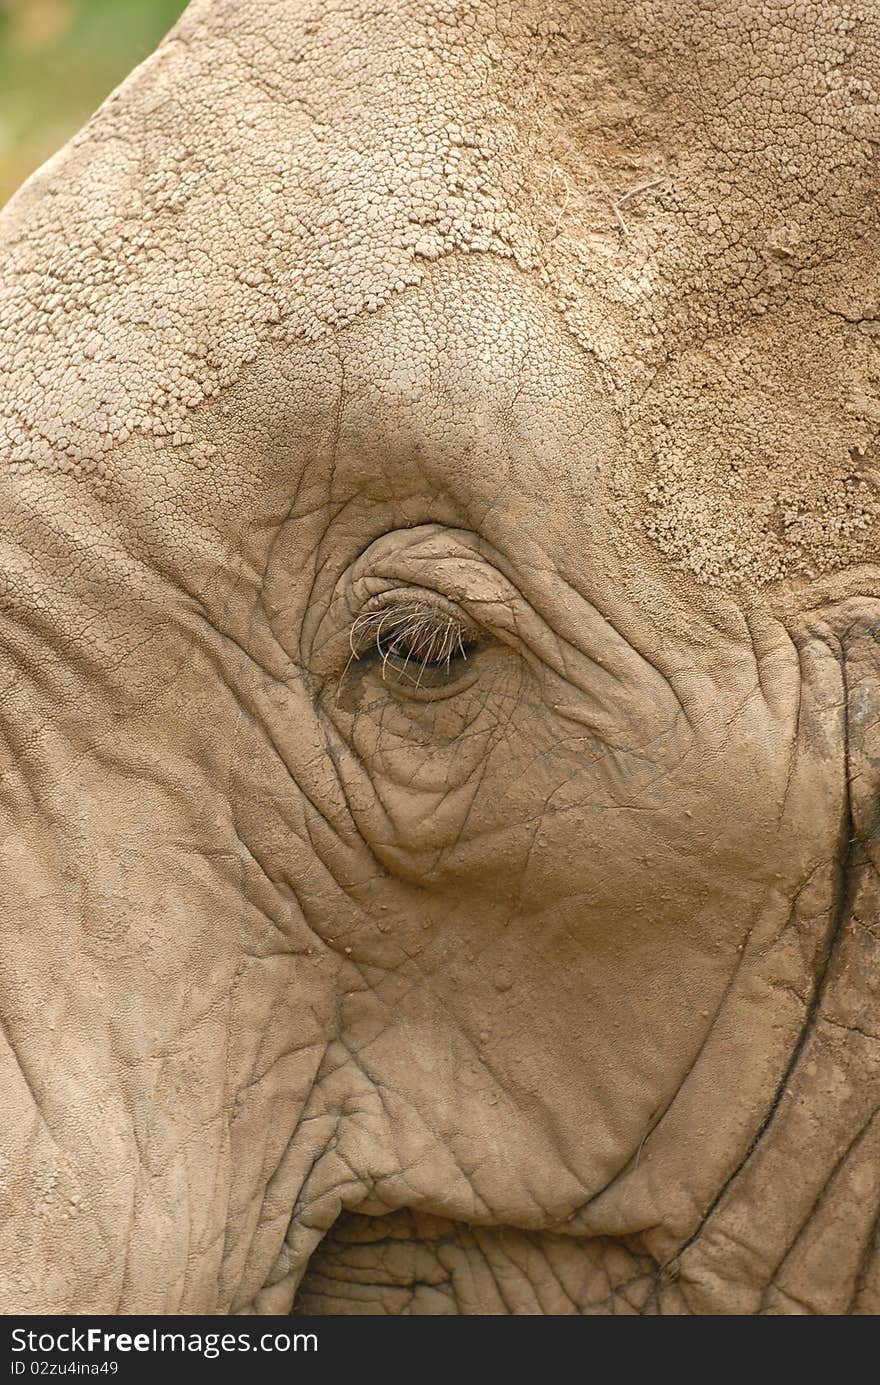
(439, 665)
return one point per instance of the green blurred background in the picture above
(58, 60)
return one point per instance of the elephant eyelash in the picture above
(416, 634)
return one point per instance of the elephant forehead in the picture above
(265, 177)
(690, 185)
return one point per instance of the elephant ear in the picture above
(811, 1173)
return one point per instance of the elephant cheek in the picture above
(812, 1167)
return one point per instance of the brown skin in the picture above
(542, 981)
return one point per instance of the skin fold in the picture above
(539, 977)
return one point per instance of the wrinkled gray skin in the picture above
(542, 978)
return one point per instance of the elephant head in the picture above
(439, 668)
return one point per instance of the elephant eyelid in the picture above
(413, 636)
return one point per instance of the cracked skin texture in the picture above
(547, 984)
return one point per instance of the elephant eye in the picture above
(412, 640)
